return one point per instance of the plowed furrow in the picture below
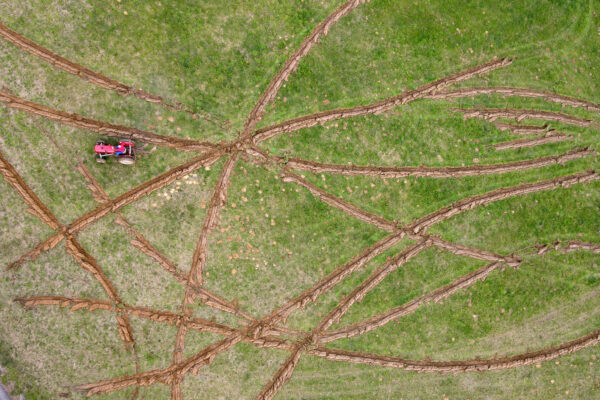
(492, 114)
(378, 107)
(103, 128)
(550, 137)
(369, 284)
(281, 376)
(81, 71)
(517, 129)
(508, 91)
(500, 194)
(50, 243)
(195, 276)
(566, 247)
(38, 208)
(292, 62)
(145, 188)
(528, 358)
(437, 295)
(434, 172)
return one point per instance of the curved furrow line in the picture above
(87, 74)
(292, 63)
(550, 137)
(509, 91)
(104, 128)
(492, 114)
(433, 172)
(457, 366)
(378, 107)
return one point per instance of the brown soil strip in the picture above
(370, 283)
(437, 295)
(145, 188)
(84, 259)
(508, 91)
(435, 172)
(126, 198)
(33, 254)
(104, 128)
(517, 129)
(38, 208)
(86, 73)
(378, 107)
(168, 375)
(471, 252)
(528, 358)
(333, 201)
(566, 247)
(492, 114)
(195, 276)
(500, 194)
(292, 62)
(550, 137)
(282, 376)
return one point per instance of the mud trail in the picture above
(93, 77)
(378, 107)
(492, 114)
(508, 91)
(517, 129)
(436, 172)
(550, 137)
(292, 62)
(528, 358)
(103, 128)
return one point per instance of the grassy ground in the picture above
(275, 239)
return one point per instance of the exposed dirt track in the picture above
(370, 283)
(292, 62)
(265, 332)
(566, 247)
(500, 194)
(492, 114)
(103, 128)
(508, 91)
(435, 172)
(195, 276)
(87, 74)
(550, 137)
(378, 107)
(517, 129)
(529, 358)
(281, 376)
(410, 307)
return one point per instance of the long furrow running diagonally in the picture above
(550, 137)
(87, 74)
(160, 316)
(292, 63)
(441, 293)
(284, 374)
(458, 366)
(492, 114)
(79, 254)
(104, 128)
(217, 202)
(509, 91)
(380, 106)
(327, 283)
(433, 172)
(122, 200)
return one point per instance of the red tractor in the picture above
(124, 151)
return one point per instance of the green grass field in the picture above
(275, 239)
